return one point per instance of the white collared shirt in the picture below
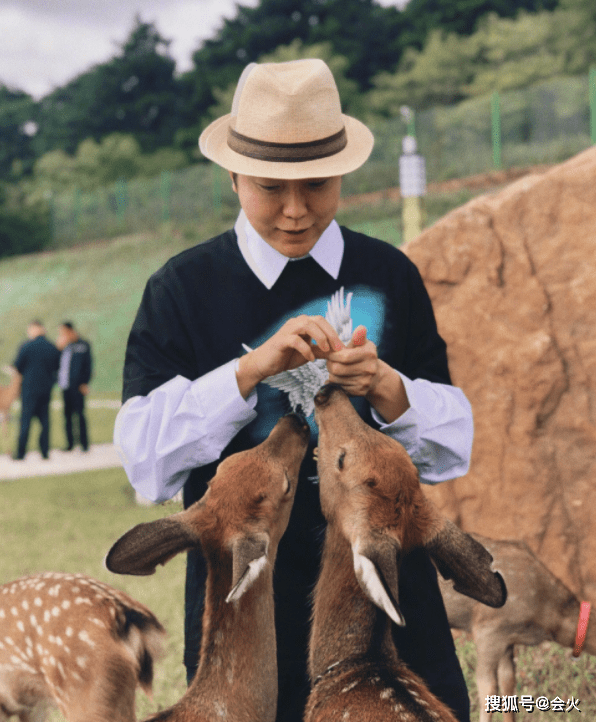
(185, 424)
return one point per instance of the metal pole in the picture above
(496, 128)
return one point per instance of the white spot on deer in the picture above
(81, 662)
(346, 715)
(220, 709)
(387, 693)
(25, 605)
(349, 687)
(14, 611)
(47, 615)
(54, 591)
(55, 611)
(84, 637)
(37, 601)
(68, 631)
(66, 604)
(29, 641)
(2, 614)
(20, 626)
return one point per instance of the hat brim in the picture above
(213, 144)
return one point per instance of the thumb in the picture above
(358, 337)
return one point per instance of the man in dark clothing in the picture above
(73, 378)
(37, 362)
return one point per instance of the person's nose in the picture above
(295, 205)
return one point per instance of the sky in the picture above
(46, 43)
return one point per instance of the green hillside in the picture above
(99, 285)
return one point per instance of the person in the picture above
(193, 393)
(74, 375)
(37, 363)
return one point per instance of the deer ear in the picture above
(249, 554)
(460, 557)
(376, 565)
(146, 545)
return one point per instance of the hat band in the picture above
(287, 152)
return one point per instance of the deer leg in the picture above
(506, 675)
(489, 653)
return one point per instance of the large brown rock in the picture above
(512, 277)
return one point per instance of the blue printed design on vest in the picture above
(367, 309)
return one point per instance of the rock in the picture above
(512, 277)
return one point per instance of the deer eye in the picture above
(370, 482)
(340, 461)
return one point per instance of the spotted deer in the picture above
(8, 395)
(376, 512)
(69, 641)
(238, 524)
(539, 608)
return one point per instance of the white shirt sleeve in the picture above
(179, 426)
(436, 431)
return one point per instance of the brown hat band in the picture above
(287, 152)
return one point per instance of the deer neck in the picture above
(238, 665)
(347, 626)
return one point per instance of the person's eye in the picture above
(269, 188)
(314, 185)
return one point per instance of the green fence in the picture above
(546, 123)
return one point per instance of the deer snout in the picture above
(326, 394)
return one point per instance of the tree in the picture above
(459, 16)
(363, 32)
(134, 93)
(17, 126)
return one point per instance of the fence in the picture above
(546, 123)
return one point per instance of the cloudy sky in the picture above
(45, 43)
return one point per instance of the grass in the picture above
(545, 670)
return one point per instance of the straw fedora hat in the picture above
(286, 122)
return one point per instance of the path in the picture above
(99, 456)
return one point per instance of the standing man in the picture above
(73, 378)
(193, 395)
(37, 363)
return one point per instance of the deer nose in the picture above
(326, 392)
(299, 422)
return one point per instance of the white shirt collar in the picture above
(267, 264)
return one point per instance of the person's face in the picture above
(290, 215)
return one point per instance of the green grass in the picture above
(100, 427)
(546, 670)
(99, 285)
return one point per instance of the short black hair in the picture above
(68, 324)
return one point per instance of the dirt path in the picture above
(99, 456)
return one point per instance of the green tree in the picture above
(134, 93)
(459, 16)
(17, 126)
(366, 34)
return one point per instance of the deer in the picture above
(376, 513)
(237, 524)
(72, 642)
(539, 608)
(8, 395)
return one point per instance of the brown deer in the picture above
(238, 524)
(8, 395)
(376, 512)
(69, 641)
(539, 608)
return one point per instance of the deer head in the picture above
(370, 489)
(242, 515)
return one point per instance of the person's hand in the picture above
(84, 389)
(356, 367)
(299, 340)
